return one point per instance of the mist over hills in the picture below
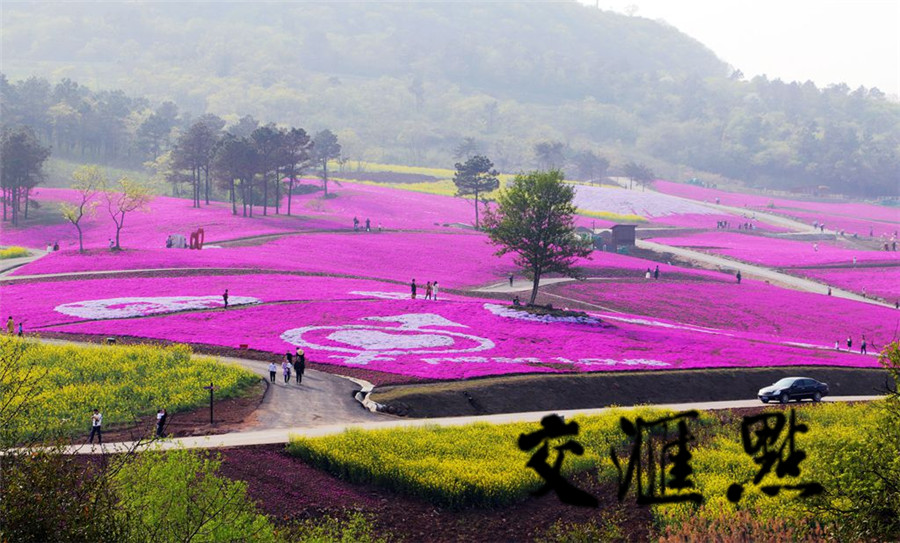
(405, 83)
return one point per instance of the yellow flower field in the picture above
(61, 384)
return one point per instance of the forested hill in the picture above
(524, 51)
(407, 82)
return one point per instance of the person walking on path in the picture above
(289, 358)
(511, 279)
(301, 364)
(849, 343)
(355, 224)
(272, 369)
(160, 422)
(286, 368)
(368, 225)
(96, 424)
(412, 288)
(10, 325)
(738, 276)
(225, 298)
(862, 346)
(434, 289)
(428, 290)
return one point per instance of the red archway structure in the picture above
(197, 239)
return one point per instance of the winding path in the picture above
(283, 435)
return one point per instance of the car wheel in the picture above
(785, 398)
(817, 397)
(764, 400)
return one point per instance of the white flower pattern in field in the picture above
(376, 340)
(508, 312)
(635, 202)
(121, 308)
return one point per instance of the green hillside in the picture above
(406, 83)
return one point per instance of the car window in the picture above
(786, 382)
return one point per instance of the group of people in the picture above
(431, 290)
(368, 225)
(11, 327)
(52, 248)
(292, 364)
(654, 274)
(862, 346)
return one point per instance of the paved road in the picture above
(282, 435)
(322, 398)
(7, 266)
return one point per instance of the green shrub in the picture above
(179, 496)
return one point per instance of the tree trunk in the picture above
(119, 226)
(80, 238)
(476, 210)
(265, 194)
(206, 177)
(534, 287)
(233, 199)
(27, 193)
(325, 175)
(277, 193)
(290, 193)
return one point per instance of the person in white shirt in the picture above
(96, 423)
(272, 369)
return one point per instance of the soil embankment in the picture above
(525, 393)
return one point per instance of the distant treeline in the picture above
(408, 82)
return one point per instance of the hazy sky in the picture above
(827, 41)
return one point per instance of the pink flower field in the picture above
(149, 230)
(455, 260)
(36, 304)
(827, 210)
(754, 308)
(462, 339)
(392, 208)
(774, 251)
(877, 282)
(693, 220)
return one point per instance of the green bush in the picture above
(179, 496)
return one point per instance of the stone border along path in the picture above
(283, 435)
